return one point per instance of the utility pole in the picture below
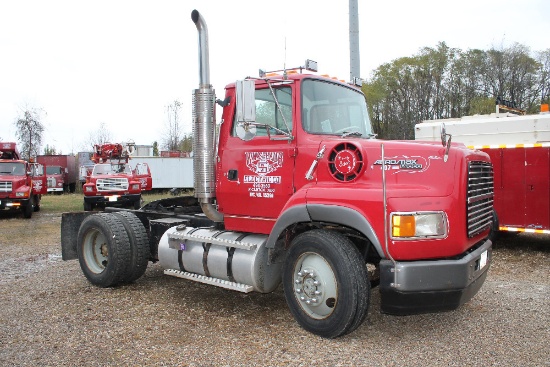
(354, 59)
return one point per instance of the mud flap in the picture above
(70, 224)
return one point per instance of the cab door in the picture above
(255, 179)
(143, 174)
(38, 179)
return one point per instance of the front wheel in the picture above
(326, 284)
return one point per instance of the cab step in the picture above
(209, 280)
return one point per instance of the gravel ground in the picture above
(51, 316)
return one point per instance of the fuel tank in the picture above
(233, 257)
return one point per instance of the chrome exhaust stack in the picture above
(204, 128)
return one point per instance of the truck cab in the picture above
(22, 184)
(310, 160)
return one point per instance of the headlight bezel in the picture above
(418, 225)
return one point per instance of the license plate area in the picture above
(482, 261)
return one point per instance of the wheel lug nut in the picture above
(316, 282)
(298, 290)
(297, 281)
(308, 302)
(317, 293)
(300, 274)
(302, 298)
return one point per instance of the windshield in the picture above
(53, 170)
(12, 168)
(333, 109)
(110, 169)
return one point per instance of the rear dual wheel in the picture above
(112, 248)
(326, 283)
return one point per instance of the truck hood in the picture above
(418, 166)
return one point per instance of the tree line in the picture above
(444, 82)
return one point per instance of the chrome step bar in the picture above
(209, 280)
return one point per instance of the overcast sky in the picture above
(122, 62)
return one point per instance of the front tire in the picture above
(88, 207)
(103, 249)
(326, 284)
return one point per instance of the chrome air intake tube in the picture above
(204, 125)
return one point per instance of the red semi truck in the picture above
(22, 184)
(60, 172)
(297, 191)
(113, 181)
(519, 147)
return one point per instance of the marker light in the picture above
(418, 225)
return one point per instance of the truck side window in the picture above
(267, 112)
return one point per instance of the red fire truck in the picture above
(297, 190)
(113, 181)
(519, 147)
(22, 184)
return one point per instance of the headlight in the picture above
(21, 194)
(89, 189)
(135, 187)
(418, 225)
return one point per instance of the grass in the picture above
(75, 202)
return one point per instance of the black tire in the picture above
(103, 249)
(29, 208)
(36, 203)
(494, 233)
(88, 207)
(339, 274)
(139, 245)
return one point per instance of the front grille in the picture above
(5, 186)
(51, 182)
(480, 197)
(112, 184)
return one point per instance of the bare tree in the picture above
(29, 132)
(172, 134)
(100, 136)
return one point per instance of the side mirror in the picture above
(245, 131)
(445, 142)
(245, 109)
(246, 102)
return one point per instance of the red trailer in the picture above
(519, 147)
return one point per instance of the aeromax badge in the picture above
(404, 164)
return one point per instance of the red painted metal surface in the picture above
(522, 186)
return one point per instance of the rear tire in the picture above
(103, 249)
(36, 203)
(29, 208)
(139, 245)
(326, 284)
(88, 207)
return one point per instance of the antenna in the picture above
(284, 62)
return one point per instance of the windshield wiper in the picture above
(351, 133)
